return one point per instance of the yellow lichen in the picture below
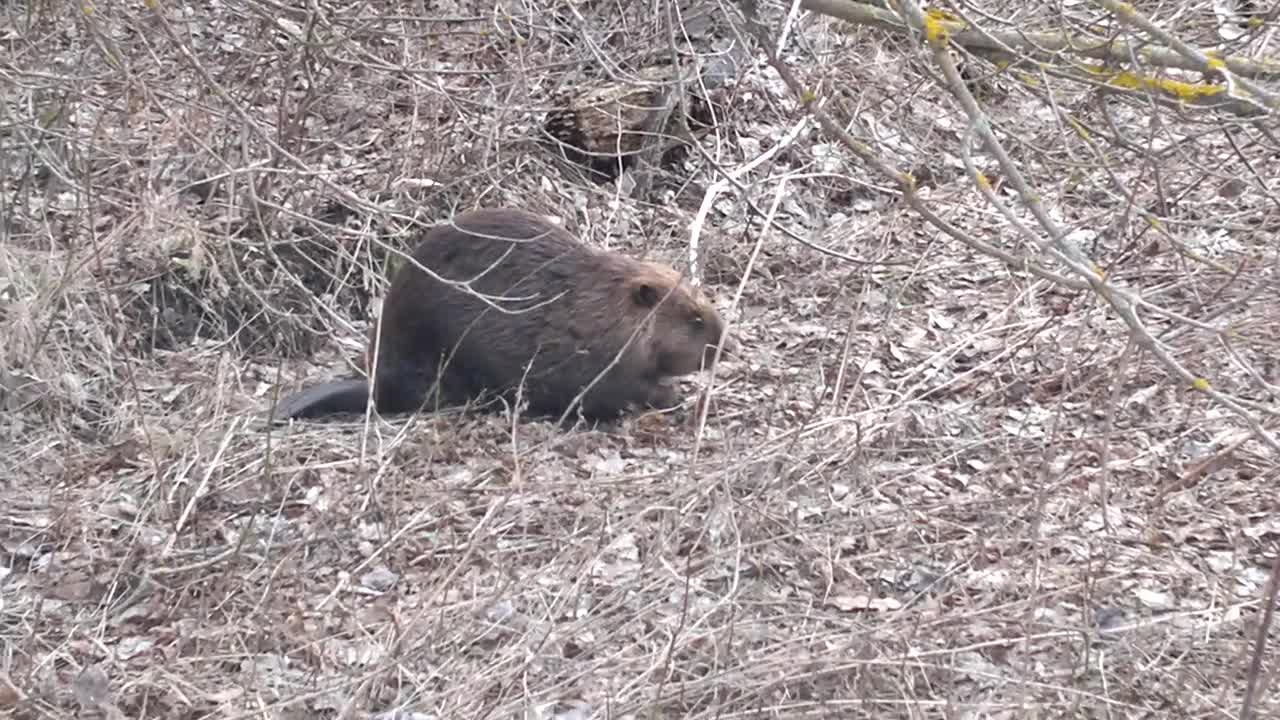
(1200, 384)
(939, 24)
(1184, 91)
(934, 30)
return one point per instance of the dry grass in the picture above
(933, 487)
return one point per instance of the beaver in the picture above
(550, 320)
(605, 125)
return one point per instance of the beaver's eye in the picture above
(697, 321)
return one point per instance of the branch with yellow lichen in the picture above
(1206, 62)
(1064, 54)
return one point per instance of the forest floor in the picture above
(929, 486)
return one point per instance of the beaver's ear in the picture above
(645, 294)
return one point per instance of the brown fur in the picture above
(563, 306)
(603, 126)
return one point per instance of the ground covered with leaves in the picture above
(929, 485)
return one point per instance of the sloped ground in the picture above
(931, 488)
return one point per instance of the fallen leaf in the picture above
(10, 696)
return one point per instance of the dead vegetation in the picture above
(935, 486)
